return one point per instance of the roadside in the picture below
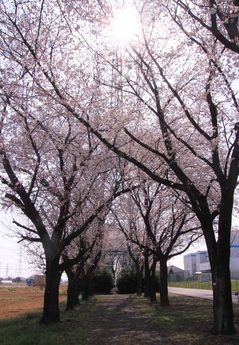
(199, 293)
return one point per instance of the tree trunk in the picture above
(146, 275)
(164, 301)
(221, 277)
(73, 289)
(85, 287)
(222, 302)
(219, 256)
(139, 275)
(152, 295)
(91, 281)
(51, 312)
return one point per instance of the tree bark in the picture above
(164, 300)
(146, 275)
(222, 301)
(73, 289)
(139, 275)
(220, 267)
(152, 295)
(85, 286)
(51, 312)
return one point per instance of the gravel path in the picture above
(118, 322)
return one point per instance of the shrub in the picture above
(127, 281)
(103, 281)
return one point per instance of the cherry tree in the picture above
(50, 167)
(60, 193)
(170, 228)
(188, 127)
(218, 17)
(138, 257)
(91, 245)
(85, 251)
(125, 220)
(115, 255)
(188, 123)
(166, 102)
(160, 226)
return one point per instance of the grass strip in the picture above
(187, 320)
(26, 330)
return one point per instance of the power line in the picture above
(18, 271)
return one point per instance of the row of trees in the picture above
(157, 227)
(85, 120)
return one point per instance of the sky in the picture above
(178, 260)
(13, 259)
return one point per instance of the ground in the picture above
(17, 300)
(122, 323)
(116, 320)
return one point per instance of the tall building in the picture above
(199, 261)
(196, 262)
(234, 259)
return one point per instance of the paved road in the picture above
(201, 293)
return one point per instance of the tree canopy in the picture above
(164, 99)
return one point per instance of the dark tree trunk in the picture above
(152, 295)
(146, 275)
(73, 289)
(139, 274)
(220, 267)
(164, 301)
(91, 281)
(219, 256)
(222, 302)
(85, 287)
(51, 312)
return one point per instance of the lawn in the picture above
(187, 321)
(201, 285)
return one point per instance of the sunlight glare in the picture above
(125, 26)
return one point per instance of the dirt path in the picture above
(118, 322)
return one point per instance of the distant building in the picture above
(6, 282)
(194, 263)
(175, 273)
(37, 280)
(234, 259)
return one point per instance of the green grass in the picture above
(188, 321)
(191, 284)
(25, 330)
(201, 285)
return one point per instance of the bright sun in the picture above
(125, 26)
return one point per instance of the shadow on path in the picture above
(118, 322)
